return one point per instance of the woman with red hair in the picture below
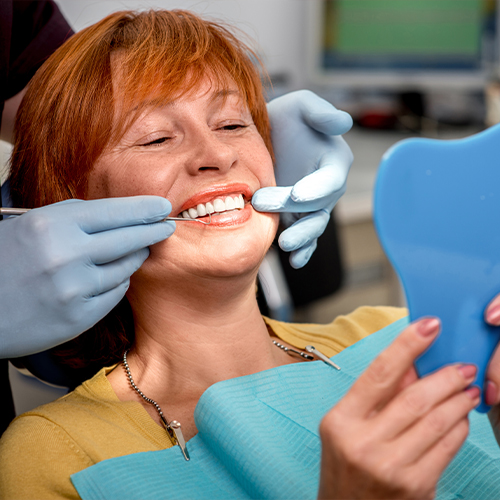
(164, 103)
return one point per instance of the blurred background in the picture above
(427, 68)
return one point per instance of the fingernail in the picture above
(468, 371)
(491, 396)
(473, 392)
(428, 327)
(493, 316)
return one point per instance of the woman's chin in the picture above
(225, 264)
(217, 254)
(231, 264)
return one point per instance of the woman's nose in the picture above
(211, 152)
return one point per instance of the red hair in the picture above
(66, 118)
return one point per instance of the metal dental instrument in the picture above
(14, 211)
(21, 211)
(320, 355)
(182, 219)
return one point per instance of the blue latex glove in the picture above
(312, 163)
(63, 267)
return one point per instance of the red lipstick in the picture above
(217, 191)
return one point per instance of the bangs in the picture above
(164, 55)
(90, 91)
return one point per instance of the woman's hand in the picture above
(492, 396)
(393, 435)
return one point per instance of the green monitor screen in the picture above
(408, 34)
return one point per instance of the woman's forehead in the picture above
(158, 89)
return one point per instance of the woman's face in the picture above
(200, 149)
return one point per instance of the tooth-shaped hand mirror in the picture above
(437, 213)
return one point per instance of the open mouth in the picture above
(216, 206)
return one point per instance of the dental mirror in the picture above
(436, 211)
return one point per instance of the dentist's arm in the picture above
(312, 163)
(63, 267)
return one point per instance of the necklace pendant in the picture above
(175, 427)
(325, 359)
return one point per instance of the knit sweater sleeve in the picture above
(33, 439)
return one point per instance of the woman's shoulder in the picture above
(53, 441)
(342, 332)
(95, 417)
(37, 458)
(57, 426)
(372, 318)
(95, 393)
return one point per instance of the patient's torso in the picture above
(43, 447)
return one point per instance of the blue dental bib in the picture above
(258, 438)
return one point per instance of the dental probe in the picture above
(182, 219)
(21, 211)
(14, 211)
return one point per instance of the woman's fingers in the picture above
(492, 394)
(421, 398)
(380, 382)
(392, 435)
(408, 378)
(492, 316)
(434, 462)
(492, 313)
(436, 424)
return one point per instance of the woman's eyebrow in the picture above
(224, 93)
(149, 103)
(156, 101)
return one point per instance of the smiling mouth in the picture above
(216, 206)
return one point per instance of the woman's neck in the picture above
(191, 337)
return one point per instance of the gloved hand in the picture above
(63, 267)
(312, 163)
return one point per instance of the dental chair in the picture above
(283, 288)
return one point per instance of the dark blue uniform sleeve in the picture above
(29, 32)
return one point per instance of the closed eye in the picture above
(161, 140)
(235, 126)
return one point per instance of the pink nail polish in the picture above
(491, 393)
(428, 327)
(493, 316)
(468, 371)
(473, 392)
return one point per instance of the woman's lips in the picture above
(228, 204)
(220, 192)
(224, 219)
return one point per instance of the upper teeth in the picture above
(217, 205)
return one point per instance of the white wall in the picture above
(278, 26)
